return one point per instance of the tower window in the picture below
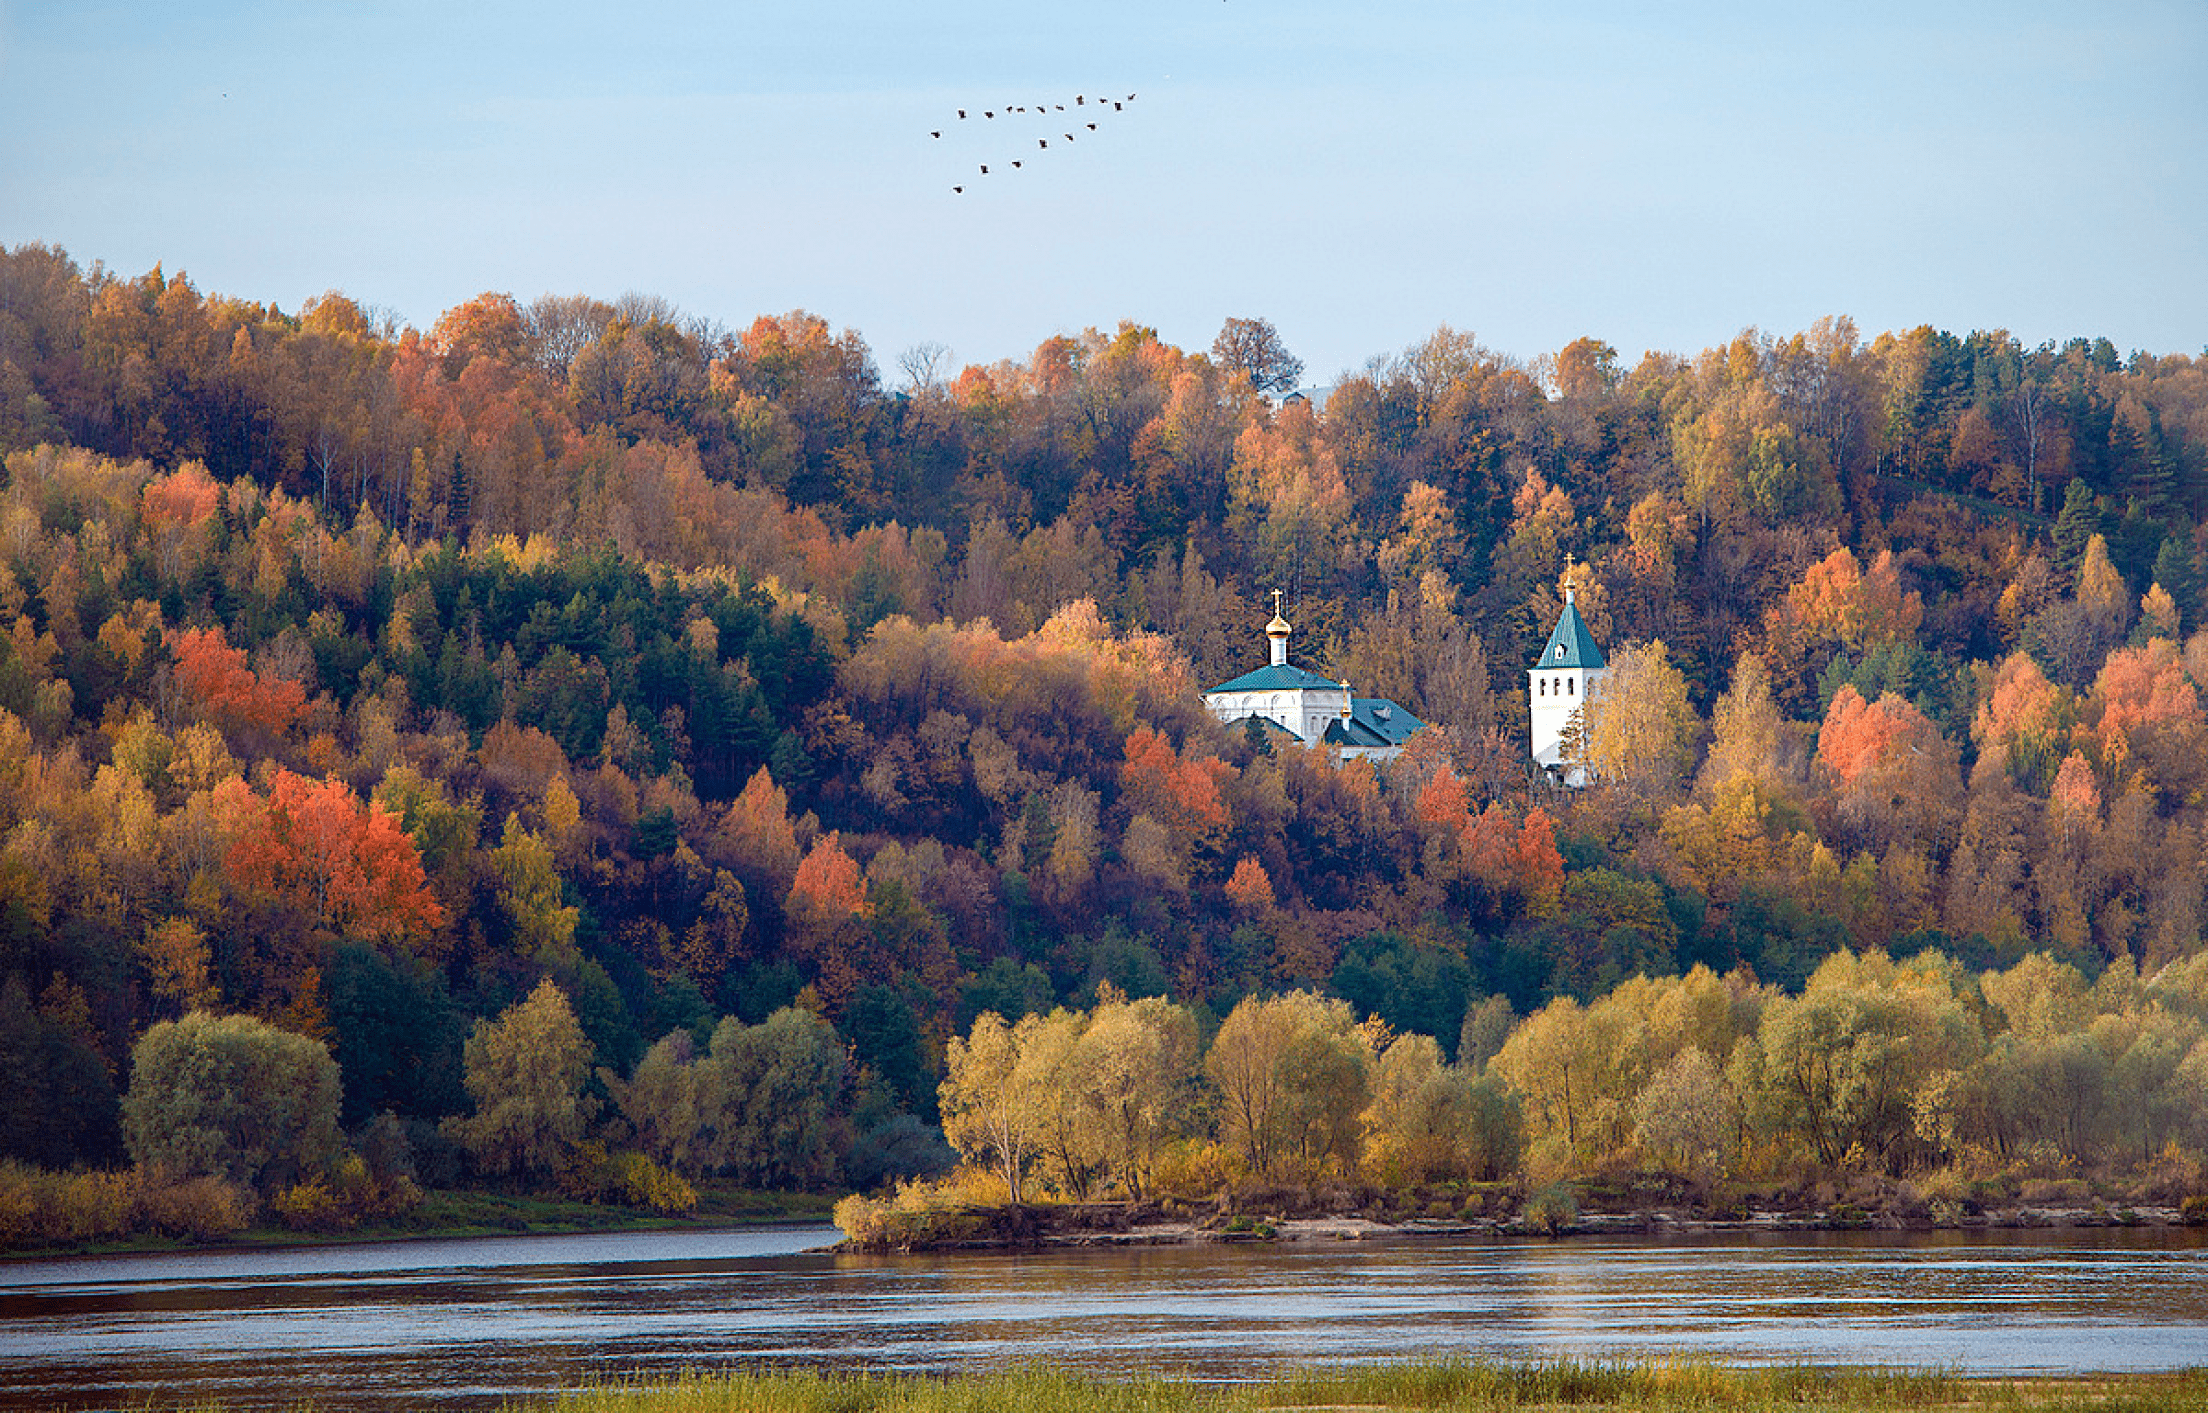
(1571, 688)
(1559, 652)
(1541, 685)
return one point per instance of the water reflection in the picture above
(462, 1324)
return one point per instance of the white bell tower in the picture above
(1559, 684)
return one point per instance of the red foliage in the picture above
(1858, 734)
(2143, 690)
(1183, 795)
(2076, 793)
(828, 888)
(315, 846)
(1445, 802)
(1251, 888)
(186, 496)
(1540, 863)
(1491, 848)
(2023, 703)
(1837, 599)
(227, 692)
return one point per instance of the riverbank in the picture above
(1467, 1386)
(444, 1215)
(907, 1225)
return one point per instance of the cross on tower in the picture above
(1276, 603)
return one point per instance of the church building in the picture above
(1568, 674)
(1301, 706)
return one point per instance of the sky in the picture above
(1659, 176)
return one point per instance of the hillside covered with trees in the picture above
(787, 718)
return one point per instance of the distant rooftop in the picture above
(1373, 722)
(1283, 678)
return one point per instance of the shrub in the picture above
(1553, 1209)
(637, 1181)
(18, 1203)
(308, 1206)
(201, 1208)
(97, 1206)
(41, 1208)
(1194, 1171)
(923, 1213)
(863, 1220)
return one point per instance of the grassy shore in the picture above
(1659, 1386)
(452, 1214)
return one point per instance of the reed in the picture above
(1465, 1386)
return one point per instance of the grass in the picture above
(465, 1213)
(1471, 1386)
(453, 1213)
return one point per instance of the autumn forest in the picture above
(584, 745)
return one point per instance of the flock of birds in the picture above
(1077, 118)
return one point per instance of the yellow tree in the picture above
(529, 893)
(1641, 730)
(994, 1110)
(1137, 1065)
(1855, 1064)
(526, 1071)
(1292, 1074)
(1430, 1121)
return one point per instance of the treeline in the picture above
(229, 1120)
(1915, 1069)
(362, 679)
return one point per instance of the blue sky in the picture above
(1656, 175)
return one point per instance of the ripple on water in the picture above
(465, 1324)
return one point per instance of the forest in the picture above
(496, 738)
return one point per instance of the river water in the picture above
(466, 1324)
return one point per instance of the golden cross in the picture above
(1276, 603)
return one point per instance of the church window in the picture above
(1559, 652)
(1542, 684)
(1571, 688)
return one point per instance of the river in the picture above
(465, 1324)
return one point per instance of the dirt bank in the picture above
(1036, 1226)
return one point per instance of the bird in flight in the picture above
(1080, 101)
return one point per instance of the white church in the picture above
(1568, 674)
(1303, 707)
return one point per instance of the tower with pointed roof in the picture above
(1296, 705)
(1568, 674)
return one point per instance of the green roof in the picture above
(1373, 722)
(1571, 645)
(1277, 679)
